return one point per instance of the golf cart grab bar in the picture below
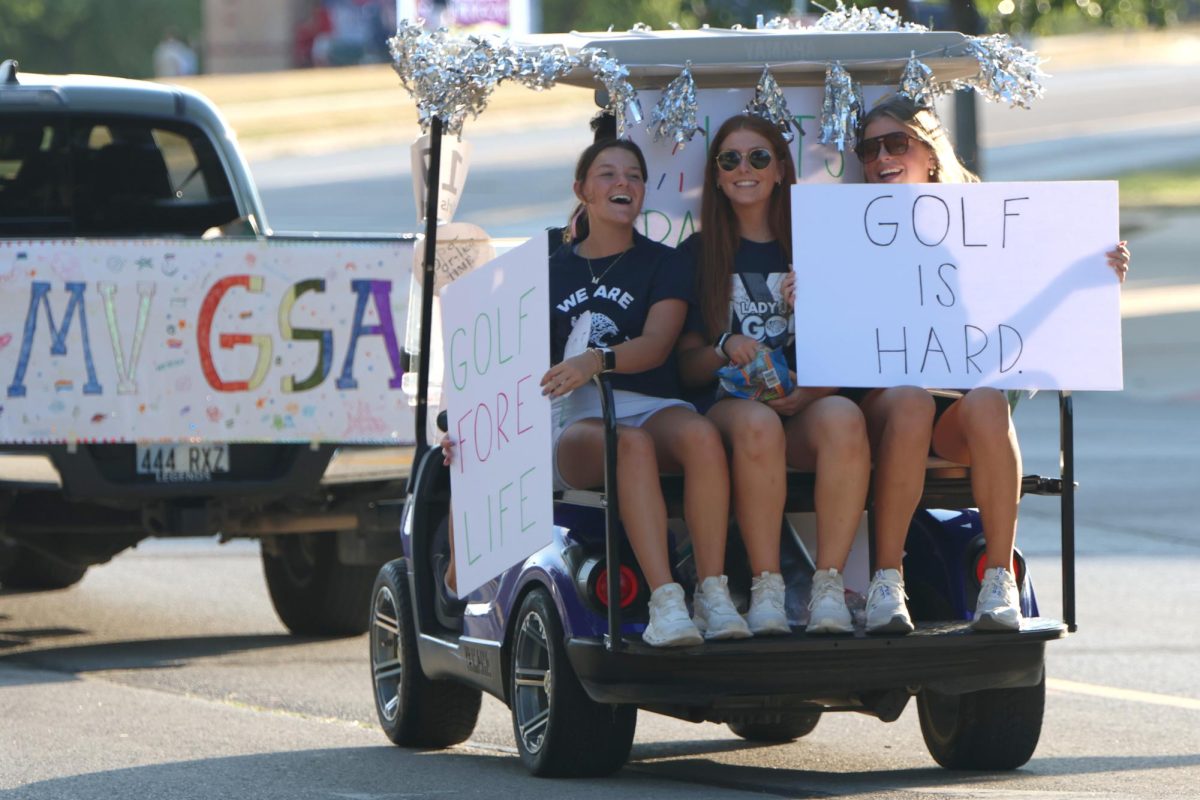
(1066, 462)
(612, 513)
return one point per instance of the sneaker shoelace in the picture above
(998, 587)
(882, 589)
(824, 589)
(761, 593)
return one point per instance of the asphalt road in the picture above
(166, 673)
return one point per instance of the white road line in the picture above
(1113, 693)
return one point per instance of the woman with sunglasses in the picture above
(740, 258)
(901, 142)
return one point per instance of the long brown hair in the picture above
(719, 226)
(577, 223)
(924, 125)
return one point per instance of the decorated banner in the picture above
(671, 211)
(189, 340)
(495, 334)
(957, 285)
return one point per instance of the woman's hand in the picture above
(447, 449)
(799, 399)
(571, 373)
(741, 350)
(1118, 259)
(791, 405)
(787, 290)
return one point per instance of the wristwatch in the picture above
(608, 358)
(719, 347)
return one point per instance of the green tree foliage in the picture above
(568, 15)
(110, 37)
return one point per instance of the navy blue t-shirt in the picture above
(627, 286)
(756, 305)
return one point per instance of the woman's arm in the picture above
(647, 351)
(699, 360)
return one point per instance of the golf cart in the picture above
(557, 636)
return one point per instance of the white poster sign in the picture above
(957, 285)
(671, 211)
(495, 324)
(190, 340)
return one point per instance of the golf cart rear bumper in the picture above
(945, 657)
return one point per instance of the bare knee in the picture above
(635, 447)
(840, 428)
(698, 439)
(759, 434)
(985, 413)
(910, 410)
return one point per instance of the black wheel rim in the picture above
(532, 682)
(387, 666)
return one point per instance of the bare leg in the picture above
(830, 437)
(643, 510)
(687, 441)
(900, 425)
(753, 435)
(977, 430)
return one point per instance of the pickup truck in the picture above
(84, 157)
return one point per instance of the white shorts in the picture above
(632, 410)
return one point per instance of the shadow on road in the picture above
(388, 772)
(128, 655)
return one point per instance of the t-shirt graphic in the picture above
(605, 332)
(757, 309)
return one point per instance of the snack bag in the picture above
(764, 378)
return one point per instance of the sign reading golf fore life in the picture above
(495, 338)
(957, 285)
(192, 341)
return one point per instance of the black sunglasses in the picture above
(896, 143)
(759, 158)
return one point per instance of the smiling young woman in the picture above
(742, 261)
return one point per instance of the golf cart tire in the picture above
(995, 729)
(24, 568)
(314, 594)
(560, 732)
(789, 728)
(413, 710)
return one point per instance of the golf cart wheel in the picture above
(789, 727)
(560, 731)
(413, 710)
(996, 729)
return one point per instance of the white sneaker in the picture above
(827, 606)
(886, 611)
(767, 613)
(670, 625)
(999, 606)
(715, 615)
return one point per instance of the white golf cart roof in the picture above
(726, 57)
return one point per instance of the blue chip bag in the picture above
(764, 378)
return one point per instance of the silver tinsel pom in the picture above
(842, 109)
(1008, 73)
(770, 104)
(452, 77)
(674, 117)
(917, 82)
(855, 19)
(623, 102)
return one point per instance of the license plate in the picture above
(182, 462)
